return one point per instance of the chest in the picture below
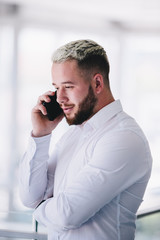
(73, 155)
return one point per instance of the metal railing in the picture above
(22, 235)
(13, 228)
(148, 212)
(40, 236)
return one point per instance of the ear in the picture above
(98, 83)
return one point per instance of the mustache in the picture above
(66, 105)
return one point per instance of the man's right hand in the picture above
(40, 122)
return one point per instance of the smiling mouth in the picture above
(67, 109)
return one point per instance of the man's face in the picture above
(74, 94)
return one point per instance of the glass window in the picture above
(6, 69)
(140, 96)
(25, 62)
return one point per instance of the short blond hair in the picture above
(89, 55)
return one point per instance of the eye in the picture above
(68, 86)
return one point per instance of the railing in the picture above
(41, 236)
(22, 235)
(15, 228)
(148, 212)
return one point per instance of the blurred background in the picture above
(30, 31)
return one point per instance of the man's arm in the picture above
(35, 175)
(34, 178)
(113, 167)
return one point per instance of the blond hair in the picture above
(90, 56)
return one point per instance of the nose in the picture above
(61, 96)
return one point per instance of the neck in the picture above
(104, 98)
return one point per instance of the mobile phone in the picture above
(53, 108)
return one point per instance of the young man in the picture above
(92, 185)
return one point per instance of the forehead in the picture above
(67, 71)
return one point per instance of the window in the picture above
(25, 61)
(140, 97)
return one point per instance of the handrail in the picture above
(22, 235)
(147, 212)
(26, 234)
(41, 236)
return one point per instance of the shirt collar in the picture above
(104, 115)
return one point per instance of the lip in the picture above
(67, 109)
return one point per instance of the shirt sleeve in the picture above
(114, 165)
(36, 172)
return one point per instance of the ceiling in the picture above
(96, 15)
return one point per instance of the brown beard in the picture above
(85, 110)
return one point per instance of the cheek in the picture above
(76, 97)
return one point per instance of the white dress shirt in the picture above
(94, 181)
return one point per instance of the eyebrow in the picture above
(67, 82)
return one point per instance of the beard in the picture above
(85, 109)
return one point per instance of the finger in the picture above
(39, 108)
(50, 93)
(45, 97)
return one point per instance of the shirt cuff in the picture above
(39, 146)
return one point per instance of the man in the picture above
(92, 185)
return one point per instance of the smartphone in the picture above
(53, 108)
